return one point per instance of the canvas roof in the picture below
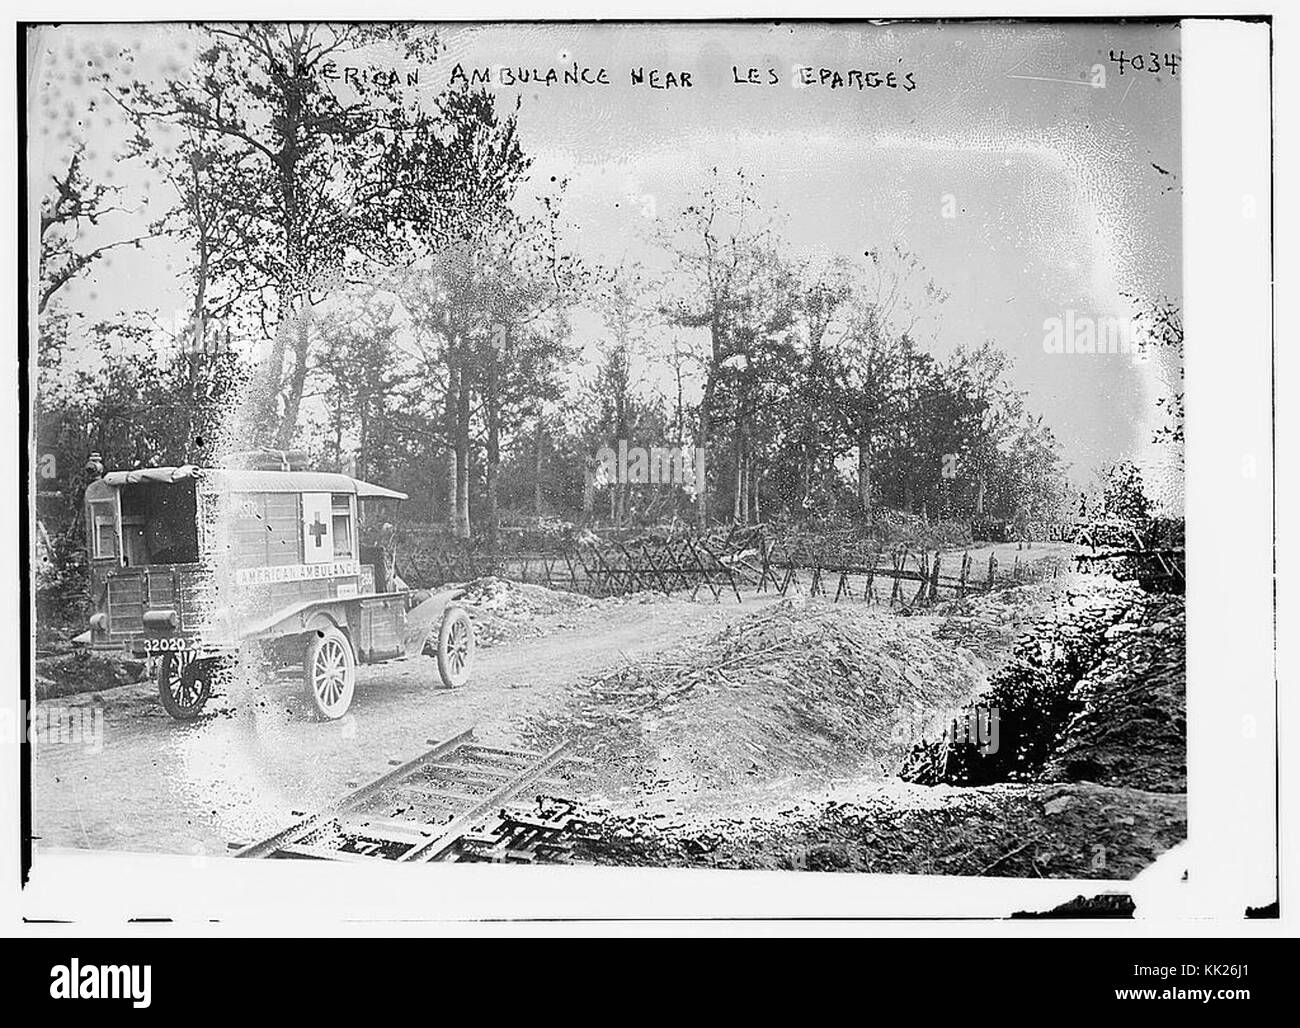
(240, 480)
(138, 475)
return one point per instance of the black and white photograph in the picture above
(746, 451)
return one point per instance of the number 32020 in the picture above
(166, 645)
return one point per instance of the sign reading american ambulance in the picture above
(268, 575)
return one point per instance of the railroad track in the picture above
(460, 800)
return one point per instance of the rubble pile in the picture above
(1063, 831)
(503, 610)
(84, 671)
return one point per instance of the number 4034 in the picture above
(1149, 61)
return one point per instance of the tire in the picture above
(184, 686)
(330, 671)
(455, 647)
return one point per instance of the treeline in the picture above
(803, 382)
(377, 279)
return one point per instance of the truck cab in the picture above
(191, 565)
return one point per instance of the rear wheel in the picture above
(184, 684)
(331, 673)
(455, 647)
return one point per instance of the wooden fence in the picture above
(906, 578)
(743, 559)
(684, 563)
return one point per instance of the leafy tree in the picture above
(996, 412)
(365, 386)
(138, 400)
(489, 309)
(1163, 320)
(821, 294)
(1123, 492)
(319, 178)
(612, 399)
(892, 297)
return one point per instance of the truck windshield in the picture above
(158, 524)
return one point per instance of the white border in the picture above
(1230, 642)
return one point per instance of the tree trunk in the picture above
(864, 473)
(740, 453)
(453, 457)
(462, 460)
(197, 349)
(338, 430)
(493, 445)
(261, 416)
(361, 463)
(738, 458)
(537, 468)
(744, 505)
(297, 380)
(678, 422)
(706, 422)
(588, 492)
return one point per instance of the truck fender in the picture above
(425, 616)
(322, 621)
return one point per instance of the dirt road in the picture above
(256, 758)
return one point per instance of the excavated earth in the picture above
(784, 740)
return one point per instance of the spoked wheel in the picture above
(184, 684)
(455, 647)
(331, 671)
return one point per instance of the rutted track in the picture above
(457, 801)
(257, 757)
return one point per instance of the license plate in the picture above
(168, 645)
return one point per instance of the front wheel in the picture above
(455, 647)
(331, 671)
(184, 684)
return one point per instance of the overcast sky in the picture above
(1067, 196)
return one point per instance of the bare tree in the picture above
(72, 204)
(716, 242)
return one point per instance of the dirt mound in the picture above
(773, 745)
(796, 691)
(502, 609)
